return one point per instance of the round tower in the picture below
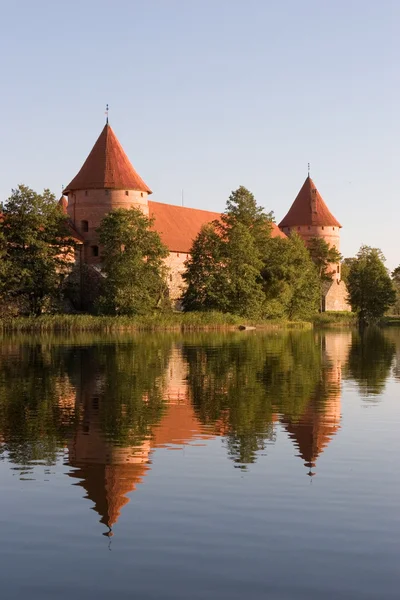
(106, 181)
(310, 218)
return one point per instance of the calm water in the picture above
(232, 466)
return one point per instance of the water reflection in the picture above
(107, 407)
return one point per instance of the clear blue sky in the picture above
(209, 95)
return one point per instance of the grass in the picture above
(195, 321)
(335, 319)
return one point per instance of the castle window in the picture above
(333, 228)
(141, 194)
(95, 250)
(126, 193)
(177, 254)
(86, 192)
(106, 192)
(85, 225)
(322, 227)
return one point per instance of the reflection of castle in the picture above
(319, 423)
(109, 472)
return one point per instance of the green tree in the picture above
(396, 283)
(132, 264)
(324, 257)
(204, 273)
(345, 268)
(34, 249)
(292, 287)
(242, 207)
(224, 269)
(371, 291)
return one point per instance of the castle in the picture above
(107, 180)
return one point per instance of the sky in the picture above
(207, 95)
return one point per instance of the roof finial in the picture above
(106, 113)
(308, 166)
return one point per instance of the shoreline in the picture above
(174, 322)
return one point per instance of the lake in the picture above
(217, 465)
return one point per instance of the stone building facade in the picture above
(107, 180)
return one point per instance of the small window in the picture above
(86, 192)
(309, 227)
(85, 225)
(333, 228)
(177, 254)
(322, 227)
(95, 250)
(106, 192)
(187, 255)
(141, 194)
(338, 269)
(126, 193)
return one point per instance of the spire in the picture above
(107, 167)
(309, 208)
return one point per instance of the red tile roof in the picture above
(107, 166)
(309, 209)
(178, 225)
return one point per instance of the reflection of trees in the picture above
(123, 383)
(370, 360)
(227, 392)
(36, 414)
(240, 383)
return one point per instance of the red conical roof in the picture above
(309, 209)
(107, 166)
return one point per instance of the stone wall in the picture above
(336, 297)
(175, 263)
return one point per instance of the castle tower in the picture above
(106, 181)
(310, 217)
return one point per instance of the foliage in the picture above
(242, 207)
(345, 268)
(291, 283)
(370, 359)
(238, 385)
(323, 257)
(224, 269)
(371, 291)
(396, 284)
(34, 249)
(204, 273)
(132, 264)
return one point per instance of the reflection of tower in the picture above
(179, 425)
(320, 421)
(108, 471)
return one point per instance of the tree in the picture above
(396, 283)
(224, 269)
(291, 283)
(323, 257)
(35, 246)
(132, 264)
(345, 268)
(242, 207)
(371, 291)
(204, 273)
